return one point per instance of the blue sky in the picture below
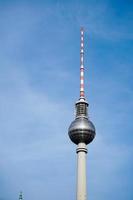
(39, 84)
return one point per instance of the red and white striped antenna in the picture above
(82, 93)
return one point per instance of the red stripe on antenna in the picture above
(82, 63)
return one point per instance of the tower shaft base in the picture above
(81, 172)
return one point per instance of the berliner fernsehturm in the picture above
(81, 130)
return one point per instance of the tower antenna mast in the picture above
(82, 95)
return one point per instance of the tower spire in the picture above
(82, 95)
(21, 196)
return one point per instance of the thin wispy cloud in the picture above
(39, 82)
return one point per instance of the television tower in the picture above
(81, 131)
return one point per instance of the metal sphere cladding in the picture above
(81, 129)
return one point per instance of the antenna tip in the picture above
(82, 28)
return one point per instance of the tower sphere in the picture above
(81, 130)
